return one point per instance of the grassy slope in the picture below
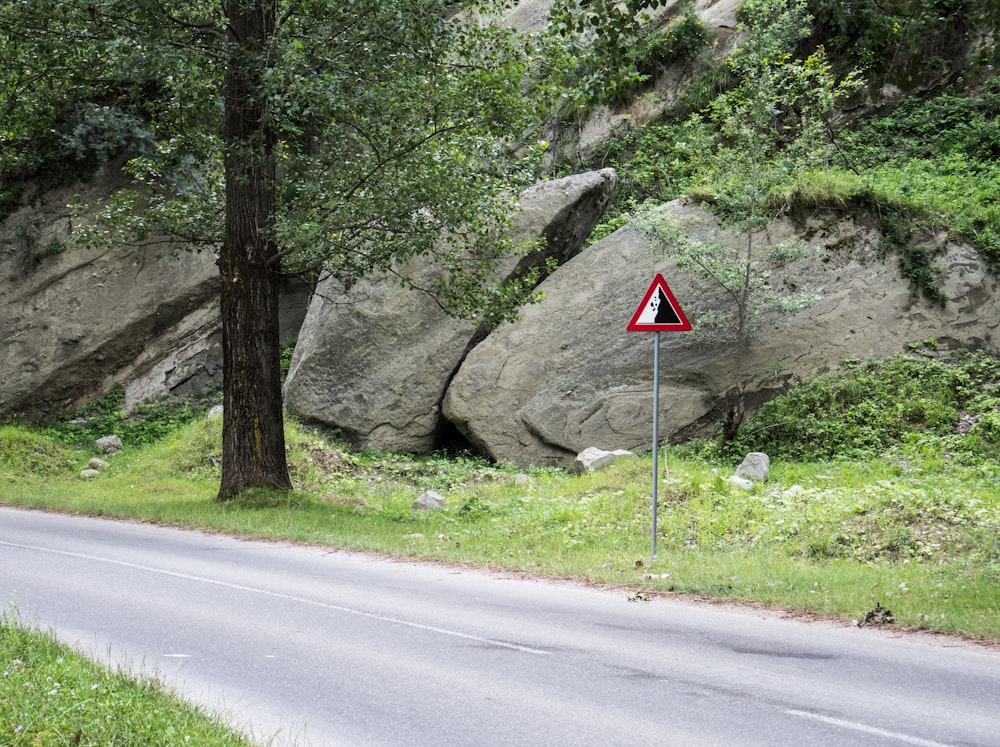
(834, 538)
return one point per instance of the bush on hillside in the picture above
(867, 408)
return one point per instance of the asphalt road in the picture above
(330, 648)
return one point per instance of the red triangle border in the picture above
(683, 325)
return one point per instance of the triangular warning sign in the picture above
(659, 311)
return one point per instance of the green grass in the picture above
(52, 695)
(31, 453)
(928, 166)
(143, 424)
(915, 401)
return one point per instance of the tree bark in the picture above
(253, 440)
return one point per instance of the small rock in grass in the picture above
(592, 458)
(108, 444)
(429, 501)
(756, 466)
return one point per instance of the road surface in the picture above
(330, 648)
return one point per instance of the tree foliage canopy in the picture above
(391, 122)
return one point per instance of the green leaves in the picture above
(867, 408)
(938, 158)
(877, 35)
(744, 282)
(603, 50)
(773, 121)
(391, 123)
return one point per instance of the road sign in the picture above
(659, 311)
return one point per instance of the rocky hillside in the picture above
(383, 365)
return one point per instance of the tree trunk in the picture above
(253, 440)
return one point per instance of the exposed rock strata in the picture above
(70, 317)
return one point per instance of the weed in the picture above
(869, 408)
(937, 158)
(286, 358)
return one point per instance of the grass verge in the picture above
(51, 695)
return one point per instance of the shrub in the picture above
(144, 424)
(864, 409)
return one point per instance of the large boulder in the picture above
(374, 361)
(567, 375)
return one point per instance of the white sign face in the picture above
(659, 311)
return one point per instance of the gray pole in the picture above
(656, 428)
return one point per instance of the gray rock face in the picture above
(108, 445)
(68, 327)
(568, 375)
(187, 357)
(70, 317)
(76, 322)
(375, 361)
(429, 501)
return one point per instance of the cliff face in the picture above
(73, 318)
(568, 375)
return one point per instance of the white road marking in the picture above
(866, 729)
(287, 597)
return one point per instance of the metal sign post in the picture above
(658, 312)
(656, 429)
